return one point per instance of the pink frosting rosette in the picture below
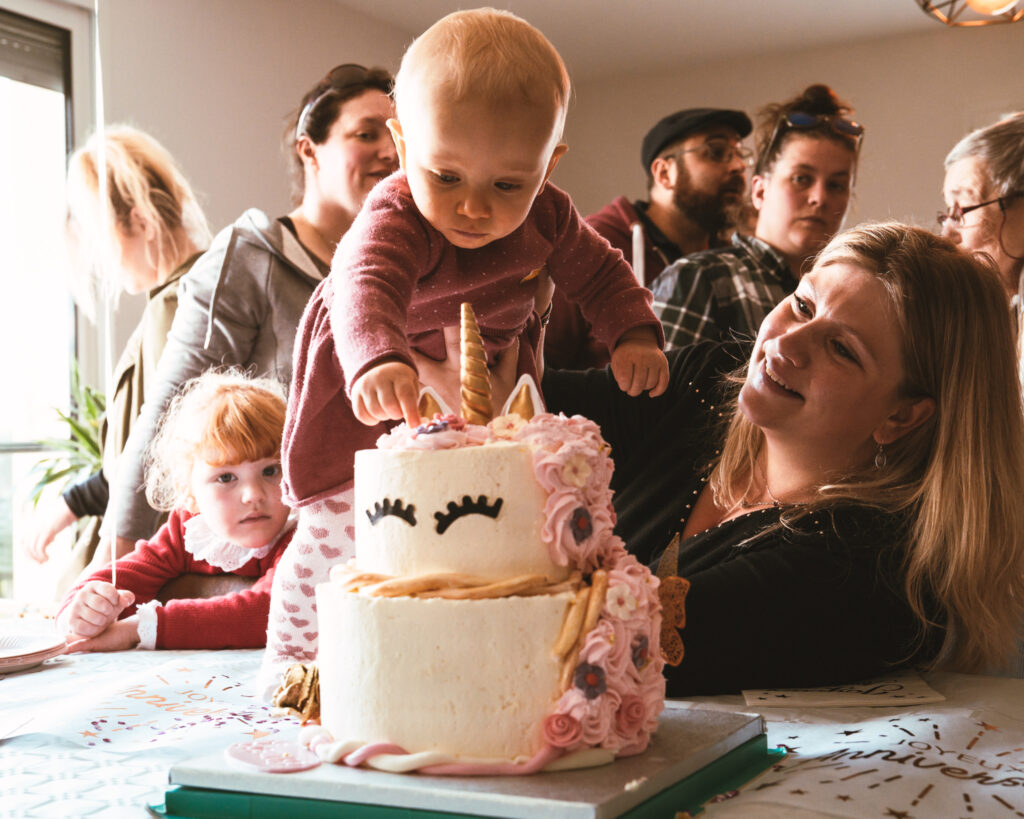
(449, 432)
(563, 731)
(630, 575)
(595, 716)
(631, 718)
(608, 645)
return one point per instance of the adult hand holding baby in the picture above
(389, 391)
(443, 375)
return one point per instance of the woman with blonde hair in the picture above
(859, 509)
(139, 231)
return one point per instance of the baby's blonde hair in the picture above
(486, 54)
(220, 417)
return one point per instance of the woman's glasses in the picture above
(339, 79)
(955, 215)
(800, 121)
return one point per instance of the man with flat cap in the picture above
(696, 181)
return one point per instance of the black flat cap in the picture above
(681, 124)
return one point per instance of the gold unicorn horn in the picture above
(476, 381)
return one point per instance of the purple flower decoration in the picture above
(641, 651)
(590, 680)
(580, 524)
(437, 425)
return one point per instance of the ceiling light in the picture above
(974, 12)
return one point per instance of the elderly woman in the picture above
(984, 193)
(847, 501)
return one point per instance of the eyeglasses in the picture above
(801, 121)
(955, 215)
(339, 79)
(720, 151)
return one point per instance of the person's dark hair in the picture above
(320, 107)
(771, 134)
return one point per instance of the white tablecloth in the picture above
(93, 735)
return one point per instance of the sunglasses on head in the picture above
(339, 79)
(800, 121)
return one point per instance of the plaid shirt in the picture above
(720, 293)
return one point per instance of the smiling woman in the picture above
(241, 303)
(858, 512)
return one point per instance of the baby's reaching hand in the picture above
(638, 364)
(389, 391)
(95, 607)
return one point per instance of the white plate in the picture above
(25, 647)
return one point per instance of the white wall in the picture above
(916, 96)
(213, 80)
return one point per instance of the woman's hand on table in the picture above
(118, 636)
(93, 613)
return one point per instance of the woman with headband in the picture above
(807, 158)
(242, 302)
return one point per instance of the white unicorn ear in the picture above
(525, 400)
(431, 404)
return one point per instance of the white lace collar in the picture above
(203, 544)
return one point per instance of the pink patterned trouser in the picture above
(324, 537)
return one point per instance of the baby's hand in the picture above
(638, 364)
(389, 391)
(95, 607)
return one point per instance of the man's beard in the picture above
(712, 213)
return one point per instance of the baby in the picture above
(480, 101)
(215, 465)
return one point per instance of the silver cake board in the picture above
(687, 741)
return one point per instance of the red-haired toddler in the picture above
(215, 466)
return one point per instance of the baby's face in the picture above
(474, 171)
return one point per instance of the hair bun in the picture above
(817, 99)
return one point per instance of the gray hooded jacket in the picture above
(240, 305)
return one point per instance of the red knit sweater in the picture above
(236, 620)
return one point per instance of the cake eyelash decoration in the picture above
(467, 507)
(398, 509)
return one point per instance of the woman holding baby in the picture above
(844, 500)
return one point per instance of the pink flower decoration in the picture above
(562, 730)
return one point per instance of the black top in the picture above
(768, 606)
(88, 497)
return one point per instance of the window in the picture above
(37, 317)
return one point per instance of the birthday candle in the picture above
(638, 251)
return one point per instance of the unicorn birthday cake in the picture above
(490, 622)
